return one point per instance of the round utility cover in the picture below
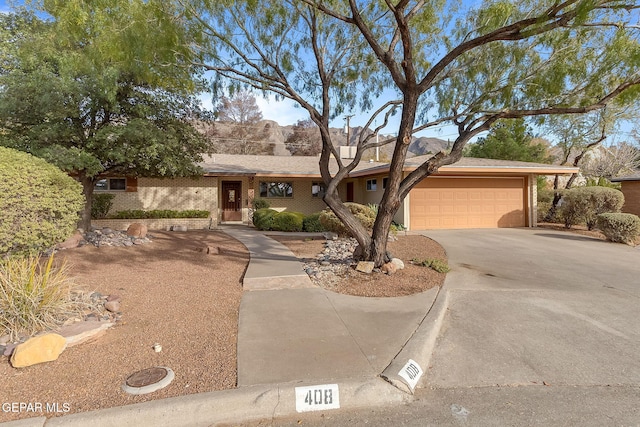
(148, 380)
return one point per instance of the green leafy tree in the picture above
(510, 140)
(101, 90)
(465, 64)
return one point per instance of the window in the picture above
(384, 183)
(111, 184)
(276, 189)
(372, 185)
(317, 189)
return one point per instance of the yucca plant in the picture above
(36, 296)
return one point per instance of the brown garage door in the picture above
(468, 203)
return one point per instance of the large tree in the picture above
(510, 140)
(467, 65)
(101, 91)
(241, 130)
(305, 139)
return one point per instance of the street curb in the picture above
(227, 406)
(420, 346)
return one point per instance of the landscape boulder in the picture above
(398, 263)
(365, 267)
(388, 268)
(71, 242)
(138, 230)
(40, 349)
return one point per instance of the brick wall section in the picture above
(174, 194)
(631, 191)
(154, 224)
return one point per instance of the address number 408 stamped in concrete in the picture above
(317, 398)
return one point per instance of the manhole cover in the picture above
(148, 380)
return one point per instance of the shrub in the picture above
(159, 214)
(619, 227)
(312, 223)
(584, 204)
(363, 213)
(434, 264)
(35, 296)
(543, 210)
(263, 218)
(39, 203)
(260, 204)
(287, 221)
(101, 204)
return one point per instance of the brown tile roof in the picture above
(236, 164)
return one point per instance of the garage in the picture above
(468, 202)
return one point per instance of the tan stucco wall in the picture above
(175, 194)
(631, 191)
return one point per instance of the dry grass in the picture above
(36, 296)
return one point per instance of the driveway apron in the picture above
(537, 307)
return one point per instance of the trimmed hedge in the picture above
(287, 221)
(39, 203)
(260, 204)
(159, 214)
(619, 227)
(364, 214)
(312, 223)
(584, 204)
(263, 218)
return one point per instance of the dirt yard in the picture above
(171, 294)
(188, 302)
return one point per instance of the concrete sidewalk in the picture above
(291, 330)
(292, 333)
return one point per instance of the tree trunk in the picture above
(87, 189)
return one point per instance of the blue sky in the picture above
(286, 113)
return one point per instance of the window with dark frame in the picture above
(111, 184)
(276, 189)
(372, 185)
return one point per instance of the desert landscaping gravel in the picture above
(175, 294)
(171, 294)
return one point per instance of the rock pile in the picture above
(336, 262)
(105, 237)
(333, 263)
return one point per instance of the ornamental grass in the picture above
(36, 295)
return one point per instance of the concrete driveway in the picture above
(538, 307)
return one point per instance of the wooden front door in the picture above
(231, 201)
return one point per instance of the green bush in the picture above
(260, 204)
(39, 203)
(287, 221)
(159, 214)
(35, 296)
(543, 210)
(364, 214)
(582, 205)
(312, 223)
(619, 227)
(263, 218)
(101, 204)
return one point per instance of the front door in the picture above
(231, 201)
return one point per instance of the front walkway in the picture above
(291, 330)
